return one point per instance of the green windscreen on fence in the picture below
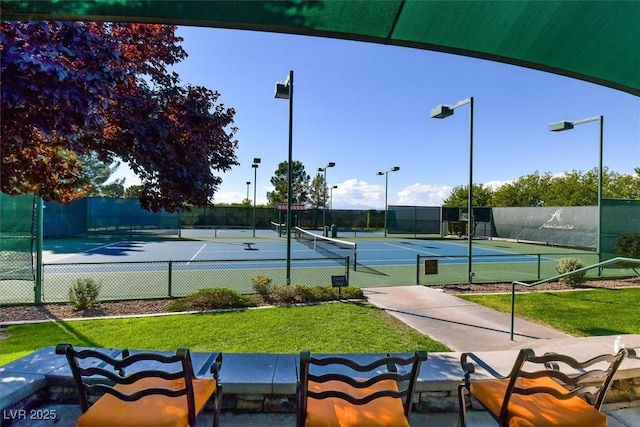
(618, 217)
(413, 219)
(16, 237)
(104, 215)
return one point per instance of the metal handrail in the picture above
(559, 276)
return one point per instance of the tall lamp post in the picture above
(324, 194)
(254, 165)
(386, 192)
(331, 199)
(568, 125)
(285, 91)
(441, 112)
(248, 200)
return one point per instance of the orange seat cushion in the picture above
(155, 410)
(540, 409)
(334, 412)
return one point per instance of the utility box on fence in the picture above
(430, 266)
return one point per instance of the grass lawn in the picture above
(580, 313)
(327, 328)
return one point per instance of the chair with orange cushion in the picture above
(542, 391)
(142, 389)
(337, 391)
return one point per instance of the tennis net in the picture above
(327, 246)
(279, 228)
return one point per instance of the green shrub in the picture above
(285, 294)
(177, 305)
(352, 293)
(263, 287)
(305, 293)
(207, 299)
(565, 265)
(84, 293)
(628, 245)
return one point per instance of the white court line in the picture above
(421, 251)
(196, 254)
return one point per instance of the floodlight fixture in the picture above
(441, 111)
(560, 126)
(283, 90)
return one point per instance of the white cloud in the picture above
(494, 185)
(423, 195)
(357, 194)
(229, 197)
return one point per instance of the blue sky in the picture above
(366, 107)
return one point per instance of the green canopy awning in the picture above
(596, 41)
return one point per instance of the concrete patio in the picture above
(259, 389)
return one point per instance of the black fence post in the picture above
(170, 281)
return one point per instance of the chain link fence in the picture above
(167, 279)
(501, 268)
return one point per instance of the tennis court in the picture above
(156, 268)
(370, 253)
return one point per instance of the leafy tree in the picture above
(299, 184)
(573, 189)
(622, 186)
(113, 189)
(528, 190)
(96, 173)
(459, 196)
(73, 88)
(317, 192)
(133, 191)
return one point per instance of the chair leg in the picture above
(462, 407)
(217, 403)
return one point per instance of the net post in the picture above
(417, 269)
(346, 269)
(355, 257)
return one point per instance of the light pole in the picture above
(567, 125)
(254, 165)
(324, 194)
(331, 199)
(441, 112)
(285, 91)
(248, 200)
(386, 192)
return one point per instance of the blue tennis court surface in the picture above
(369, 253)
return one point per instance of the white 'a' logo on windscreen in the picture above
(556, 216)
(557, 225)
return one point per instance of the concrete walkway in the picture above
(466, 326)
(460, 324)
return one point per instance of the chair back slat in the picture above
(360, 383)
(366, 378)
(356, 400)
(116, 374)
(132, 397)
(589, 379)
